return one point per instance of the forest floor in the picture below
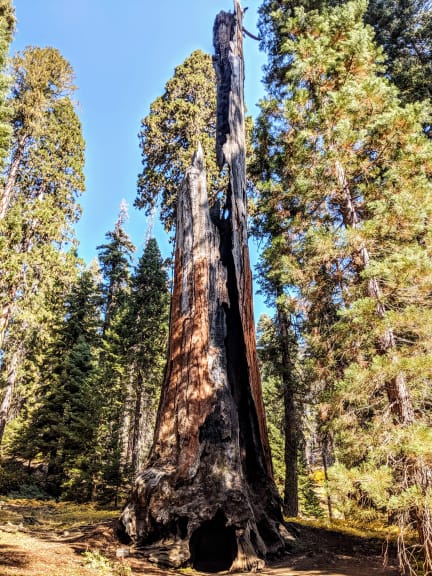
(47, 539)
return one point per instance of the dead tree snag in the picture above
(206, 496)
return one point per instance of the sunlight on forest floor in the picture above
(45, 538)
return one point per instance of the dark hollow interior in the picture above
(213, 545)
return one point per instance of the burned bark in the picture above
(206, 496)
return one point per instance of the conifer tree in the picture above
(115, 260)
(39, 199)
(346, 205)
(403, 28)
(148, 323)
(183, 116)
(7, 26)
(62, 425)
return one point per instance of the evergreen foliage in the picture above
(115, 258)
(61, 427)
(345, 205)
(38, 207)
(148, 321)
(183, 116)
(403, 28)
(7, 26)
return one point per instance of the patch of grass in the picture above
(351, 528)
(69, 515)
(54, 515)
(95, 560)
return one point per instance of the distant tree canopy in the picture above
(7, 26)
(403, 28)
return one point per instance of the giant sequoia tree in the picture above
(206, 495)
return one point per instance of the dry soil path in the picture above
(29, 551)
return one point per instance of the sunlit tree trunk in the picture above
(8, 189)
(8, 392)
(206, 496)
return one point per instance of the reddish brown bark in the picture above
(206, 496)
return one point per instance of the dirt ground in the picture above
(31, 544)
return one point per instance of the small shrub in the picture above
(32, 491)
(95, 560)
(13, 476)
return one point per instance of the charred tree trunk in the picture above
(206, 496)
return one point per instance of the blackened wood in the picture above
(206, 496)
(231, 150)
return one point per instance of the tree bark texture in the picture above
(8, 393)
(291, 435)
(206, 497)
(8, 190)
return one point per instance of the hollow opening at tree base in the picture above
(213, 546)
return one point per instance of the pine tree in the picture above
(279, 349)
(346, 206)
(62, 425)
(42, 84)
(115, 258)
(114, 376)
(183, 116)
(39, 199)
(35, 326)
(148, 323)
(7, 26)
(402, 27)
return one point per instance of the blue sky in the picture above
(123, 53)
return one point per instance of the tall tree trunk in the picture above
(5, 316)
(410, 472)
(8, 190)
(291, 507)
(137, 425)
(326, 451)
(206, 496)
(8, 392)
